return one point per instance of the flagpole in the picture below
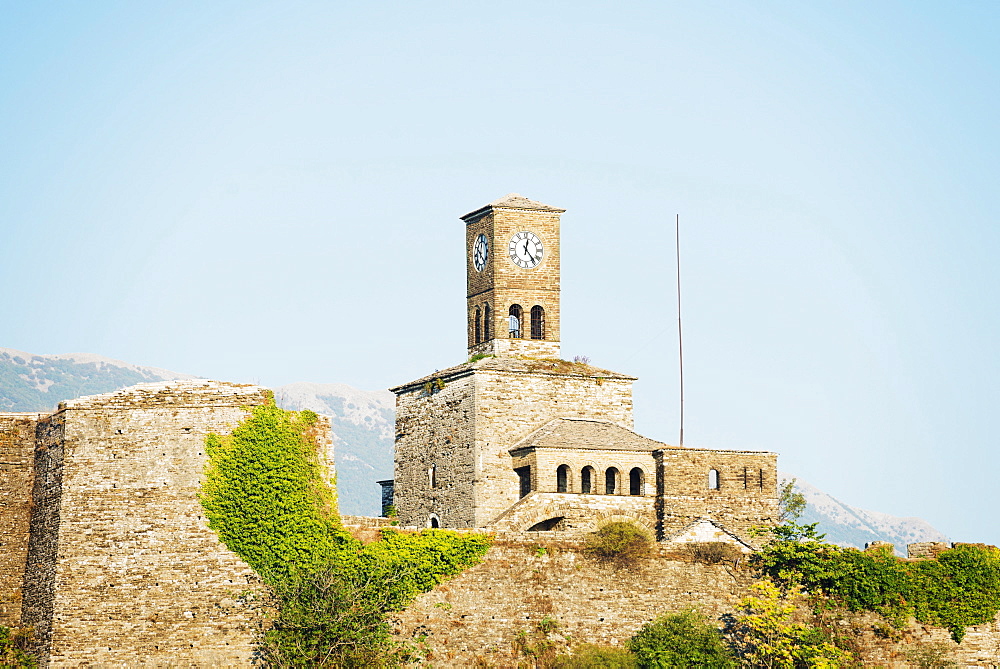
(680, 340)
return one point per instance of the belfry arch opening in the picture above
(479, 325)
(515, 317)
(537, 322)
(587, 480)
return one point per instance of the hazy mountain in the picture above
(31, 382)
(363, 423)
(851, 526)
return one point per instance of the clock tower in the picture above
(512, 265)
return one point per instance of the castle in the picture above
(105, 552)
(518, 440)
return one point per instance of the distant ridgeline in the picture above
(362, 427)
(31, 382)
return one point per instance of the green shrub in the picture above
(961, 587)
(14, 644)
(619, 542)
(589, 656)
(684, 639)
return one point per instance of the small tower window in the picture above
(514, 320)
(432, 476)
(487, 320)
(433, 521)
(562, 478)
(479, 325)
(587, 480)
(636, 478)
(524, 480)
(713, 479)
(537, 322)
(611, 481)
(762, 480)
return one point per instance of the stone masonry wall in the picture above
(17, 465)
(435, 430)
(511, 405)
(475, 619)
(122, 565)
(43, 544)
(579, 513)
(466, 429)
(737, 505)
(479, 613)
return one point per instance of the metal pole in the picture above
(680, 340)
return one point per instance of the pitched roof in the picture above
(512, 201)
(582, 433)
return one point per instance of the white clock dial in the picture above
(525, 250)
(480, 252)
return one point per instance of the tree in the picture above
(684, 639)
(791, 504)
(764, 635)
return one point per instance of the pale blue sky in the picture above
(271, 192)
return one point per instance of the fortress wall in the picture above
(478, 615)
(480, 612)
(17, 465)
(122, 564)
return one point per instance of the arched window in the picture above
(587, 480)
(432, 478)
(433, 521)
(514, 321)
(636, 478)
(611, 481)
(713, 479)
(487, 323)
(479, 325)
(537, 322)
(562, 478)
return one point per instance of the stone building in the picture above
(105, 551)
(518, 440)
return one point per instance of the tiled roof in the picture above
(579, 433)
(513, 201)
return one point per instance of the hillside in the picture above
(30, 382)
(850, 526)
(362, 425)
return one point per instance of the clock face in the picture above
(480, 252)
(525, 250)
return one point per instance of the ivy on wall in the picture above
(266, 496)
(961, 587)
